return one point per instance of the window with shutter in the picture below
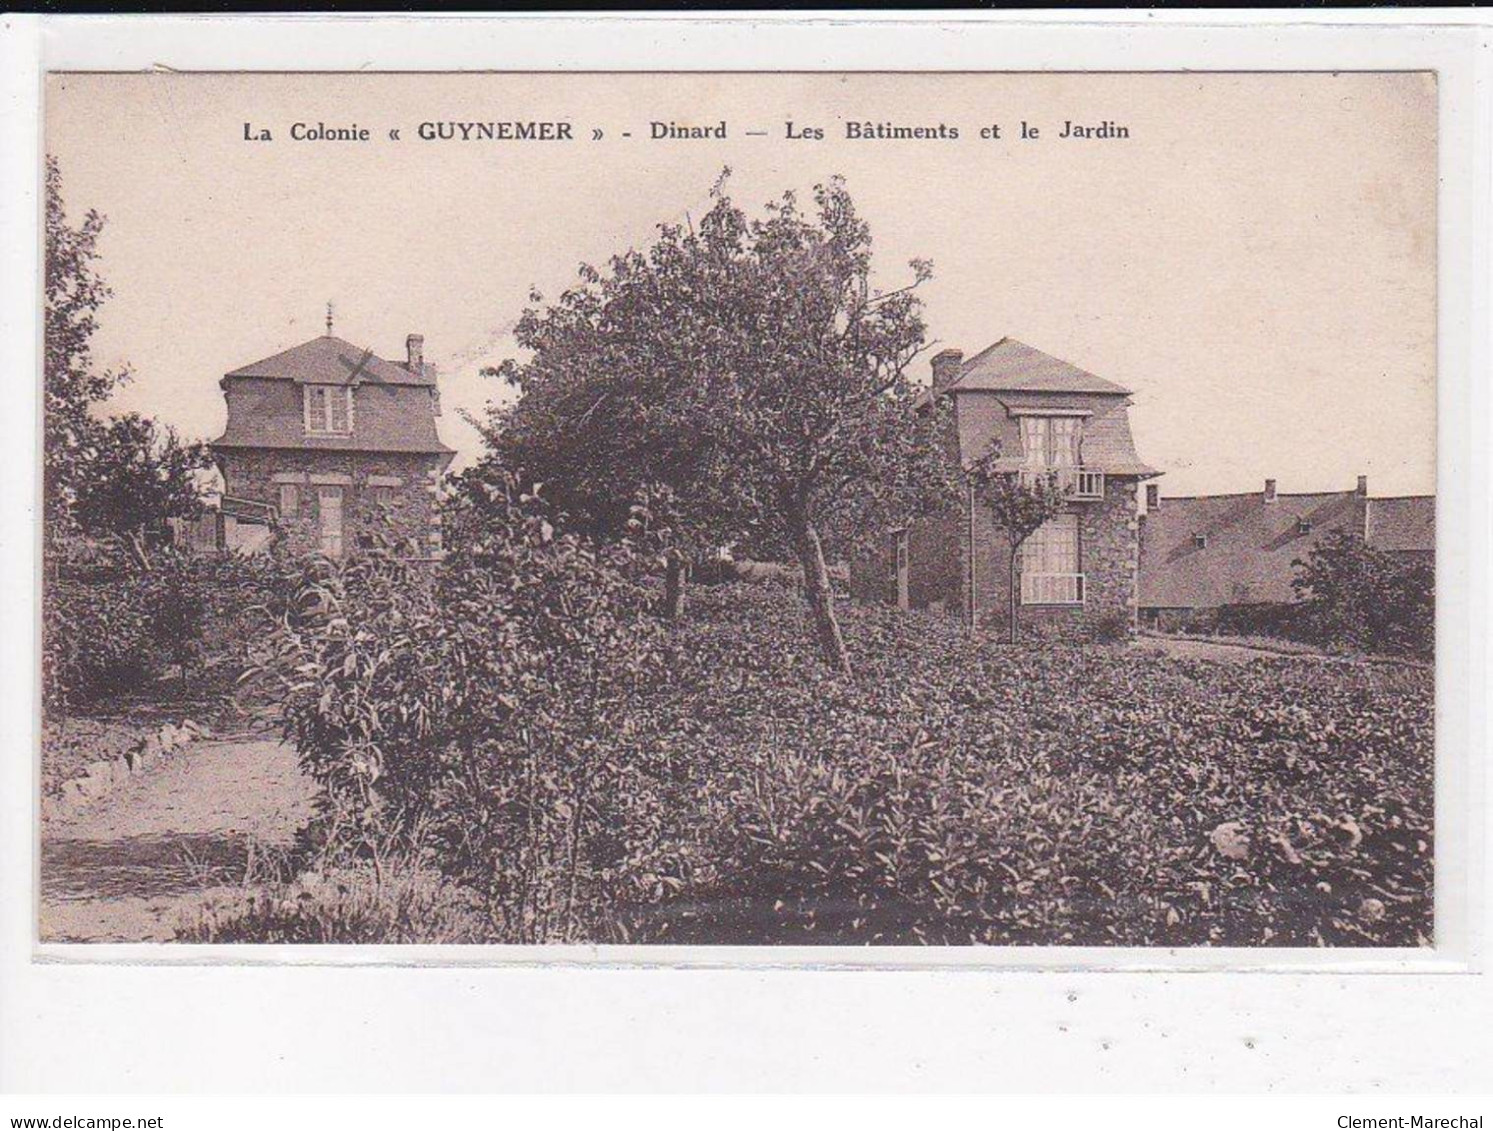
(337, 406)
(1034, 441)
(1062, 441)
(316, 409)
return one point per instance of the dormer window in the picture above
(1200, 541)
(1303, 526)
(329, 410)
(1050, 441)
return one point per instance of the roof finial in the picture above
(329, 319)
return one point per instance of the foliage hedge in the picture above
(1349, 597)
(718, 784)
(112, 625)
(974, 793)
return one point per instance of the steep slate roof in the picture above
(1009, 378)
(331, 361)
(1403, 525)
(1010, 366)
(393, 407)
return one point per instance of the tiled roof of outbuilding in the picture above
(1250, 545)
(1406, 524)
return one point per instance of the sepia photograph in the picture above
(756, 509)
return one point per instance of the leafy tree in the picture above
(749, 371)
(1356, 595)
(107, 484)
(612, 407)
(135, 474)
(115, 479)
(1018, 505)
(73, 384)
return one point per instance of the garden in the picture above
(709, 780)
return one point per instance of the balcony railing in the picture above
(1052, 588)
(1081, 484)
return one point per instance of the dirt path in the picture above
(127, 867)
(1191, 648)
(1237, 652)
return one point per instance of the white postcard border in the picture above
(55, 986)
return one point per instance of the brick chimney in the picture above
(1363, 486)
(1270, 490)
(415, 347)
(1153, 496)
(946, 365)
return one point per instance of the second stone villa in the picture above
(1077, 574)
(1101, 566)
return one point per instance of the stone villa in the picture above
(1078, 573)
(333, 447)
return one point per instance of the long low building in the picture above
(1208, 551)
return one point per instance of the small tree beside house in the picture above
(139, 475)
(1019, 505)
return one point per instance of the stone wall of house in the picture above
(1109, 558)
(1109, 545)
(390, 494)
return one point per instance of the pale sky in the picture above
(1256, 260)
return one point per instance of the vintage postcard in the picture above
(662, 509)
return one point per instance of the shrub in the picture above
(1285, 620)
(1113, 628)
(112, 625)
(96, 639)
(406, 902)
(472, 705)
(1355, 595)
